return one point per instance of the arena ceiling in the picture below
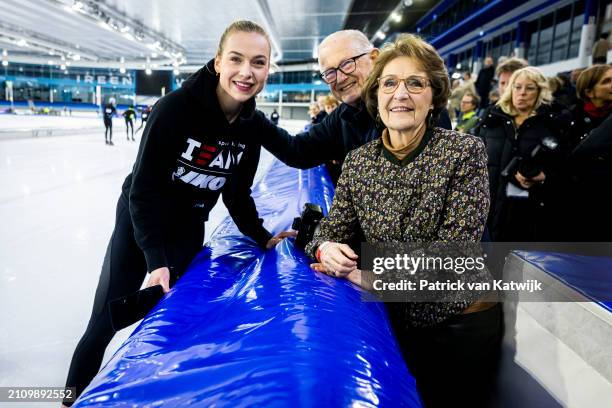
(137, 34)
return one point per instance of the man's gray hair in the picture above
(357, 37)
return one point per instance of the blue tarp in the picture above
(247, 327)
(591, 276)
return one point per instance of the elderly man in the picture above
(345, 59)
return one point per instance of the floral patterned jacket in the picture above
(438, 193)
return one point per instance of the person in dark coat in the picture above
(484, 81)
(522, 184)
(594, 89)
(591, 178)
(274, 116)
(589, 169)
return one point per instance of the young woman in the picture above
(196, 146)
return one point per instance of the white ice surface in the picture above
(57, 209)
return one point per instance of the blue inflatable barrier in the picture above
(591, 276)
(247, 327)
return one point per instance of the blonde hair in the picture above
(532, 74)
(330, 100)
(243, 26)
(425, 56)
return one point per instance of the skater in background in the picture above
(129, 115)
(144, 116)
(274, 116)
(109, 111)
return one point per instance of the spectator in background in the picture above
(522, 186)
(468, 119)
(588, 196)
(484, 82)
(493, 96)
(565, 93)
(454, 100)
(574, 76)
(601, 48)
(330, 103)
(594, 88)
(467, 83)
(505, 70)
(316, 114)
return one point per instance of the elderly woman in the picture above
(417, 183)
(525, 137)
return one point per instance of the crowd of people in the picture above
(535, 132)
(519, 164)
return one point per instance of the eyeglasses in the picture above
(414, 84)
(346, 67)
(527, 88)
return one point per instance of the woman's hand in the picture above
(530, 182)
(160, 276)
(336, 260)
(278, 238)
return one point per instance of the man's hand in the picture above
(278, 238)
(160, 276)
(529, 182)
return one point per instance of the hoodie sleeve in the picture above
(321, 143)
(150, 180)
(237, 198)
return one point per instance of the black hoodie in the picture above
(188, 156)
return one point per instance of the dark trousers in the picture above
(108, 129)
(129, 124)
(123, 272)
(455, 363)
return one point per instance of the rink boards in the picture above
(246, 327)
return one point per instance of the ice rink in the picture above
(57, 206)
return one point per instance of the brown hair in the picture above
(242, 26)
(588, 79)
(475, 98)
(425, 56)
(510, 65)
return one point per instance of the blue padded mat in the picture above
(247, 327)
(591, 276)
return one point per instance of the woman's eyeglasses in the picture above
(414, 84)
